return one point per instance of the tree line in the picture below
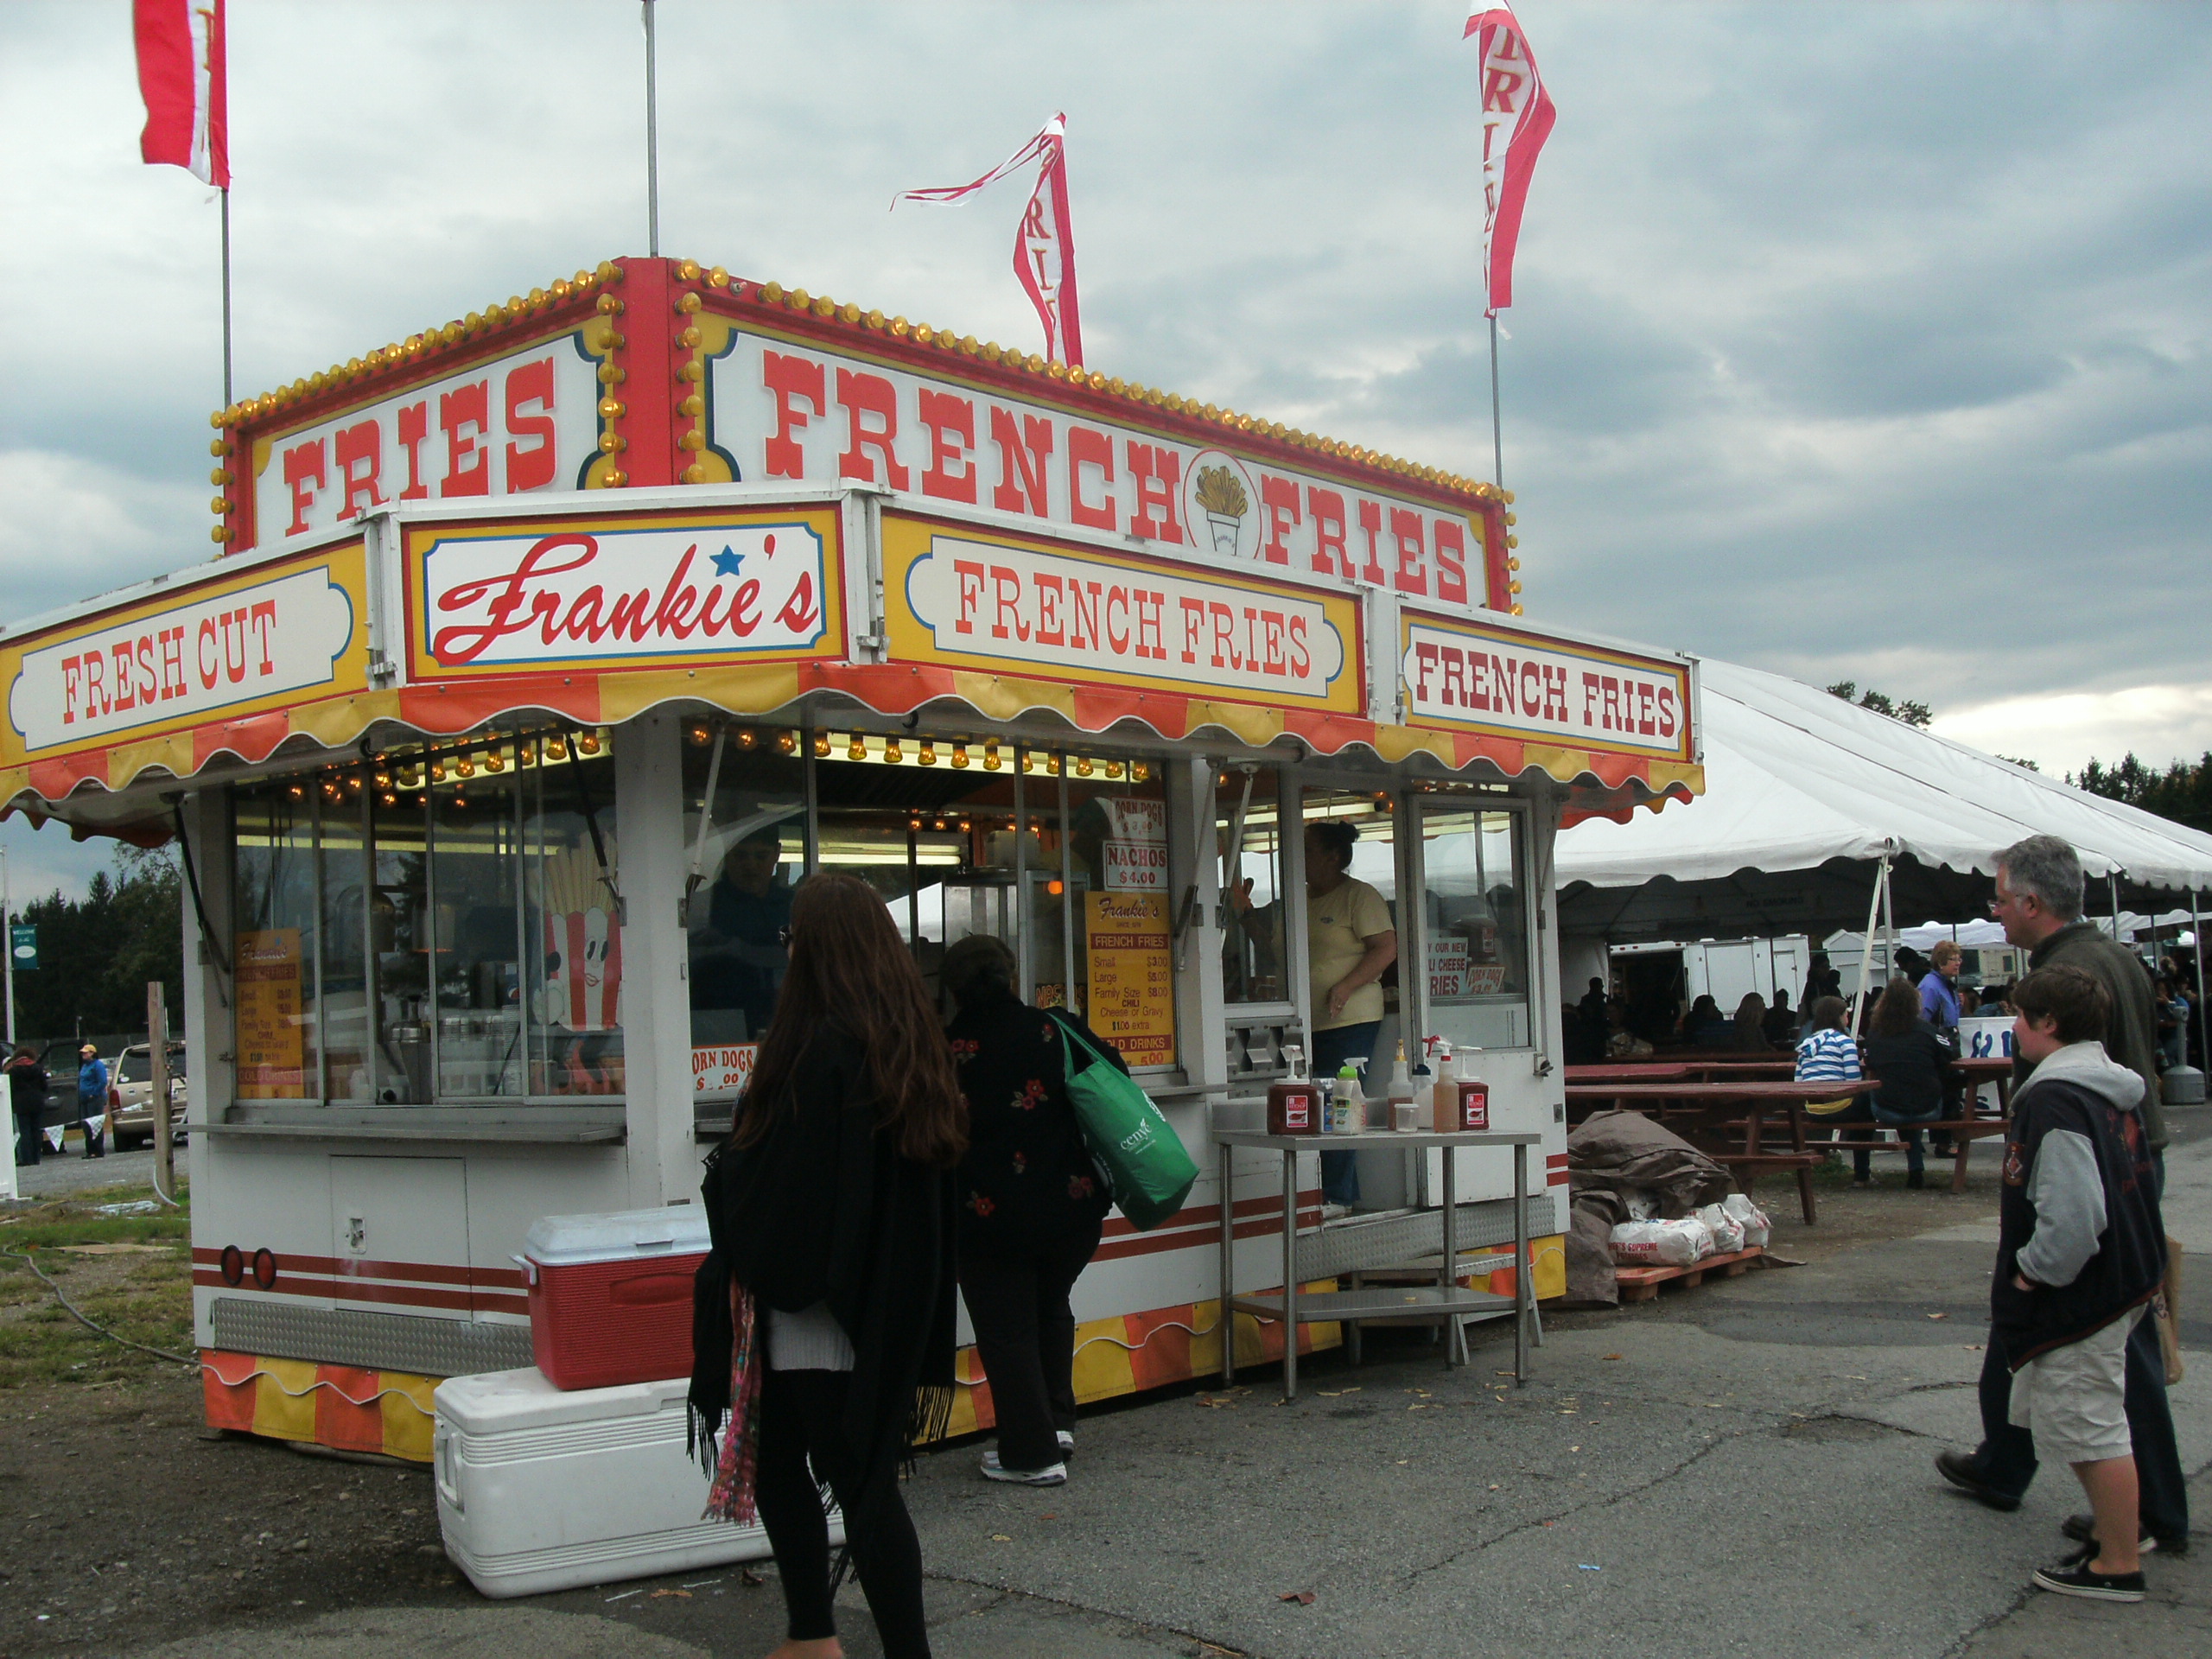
(96, 955)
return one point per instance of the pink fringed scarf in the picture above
(732, 1496)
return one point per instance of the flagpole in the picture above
(226, 296)
(1496, 432)
(652, 141)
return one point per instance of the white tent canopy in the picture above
(1805, 795)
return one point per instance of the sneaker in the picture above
(1066, 1439)
(1957, 1468)
(2075, 1579)
(1862, 1181)
(1054, 1474)
(2082, 1528)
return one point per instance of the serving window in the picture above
(440, 926)
(1475, 920)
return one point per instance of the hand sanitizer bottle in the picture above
(1348, 1104)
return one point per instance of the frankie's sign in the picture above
(285, 634)
(621, 593)
(1517, 684)
(1062, 612)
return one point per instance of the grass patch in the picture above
(146, 1297)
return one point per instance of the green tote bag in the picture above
(1146, 1169)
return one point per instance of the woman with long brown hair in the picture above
(823, 1319)
(1913, 1059)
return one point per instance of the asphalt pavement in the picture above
(1742, 1468)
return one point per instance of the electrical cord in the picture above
(76, 1314)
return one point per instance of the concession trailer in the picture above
(545, 651)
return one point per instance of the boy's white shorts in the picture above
(2073, 1399)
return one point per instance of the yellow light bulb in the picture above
(891, 751)
(822, 746)
(928, 756)
(859, 750)
(960, 757)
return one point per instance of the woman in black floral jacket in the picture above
(1031, 1206)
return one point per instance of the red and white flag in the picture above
(181, 76)
(1517, 118)
(1044, 248)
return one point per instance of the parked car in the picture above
(130, 1090)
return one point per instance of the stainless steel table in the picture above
(1444, 1300)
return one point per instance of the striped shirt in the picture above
(1828, 1055)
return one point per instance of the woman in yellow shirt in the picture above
(1350, 940)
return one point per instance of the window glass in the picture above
(1247, 836)
(341, 854)
(930, 823)
(572, 914)
(474, 810)
(1100, 909)
(1476, 925)
(747, 845)
(1335, 933)
(398, 925)
(273, 942)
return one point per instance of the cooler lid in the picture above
(623, 1236)
(497, 1402)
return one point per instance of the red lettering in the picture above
(1531, 699)
(1049, 591)
(233, 626)
(1279, 505)
(1589, 698)
(1501, 677)
(263, 617)
(1370, 524)
(1225, 625)
(968, 580)
(673, 618)
(466, 641)
(1451, 561)
(949, 417)
(861, 395)
(1087, 447)
(799, 615)
(414, 432)
(1271, 661)
(97, 700)
(1301, 660)
(149, 685)
(1157, 472)
(1555, 696)
(464, 416)
(303, 472)
(1502, 90)
(1082, 625)
(72, 683)
(1005, 589)
(1119, 643)
(1152, 605)
(1194, 622)
(1425, 656)
(1328, 510)
(583, 621)
(787, 378)
(360, 458)
(1666, 711)
(206, 638)
(744, 611)
(1610, 700)
(532, 469)
(173, 682)
(1406, 530)
(120, 652)
(1022, 456)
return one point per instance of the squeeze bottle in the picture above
(1473, 1093)
(1400, 1095)
(1293, 1104)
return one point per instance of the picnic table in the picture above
(1750, 1125)
(1673, 1071)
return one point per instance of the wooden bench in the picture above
(1963, 1131)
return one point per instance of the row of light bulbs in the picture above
(928, 752)
(410, 773)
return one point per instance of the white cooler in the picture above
(541, 1489)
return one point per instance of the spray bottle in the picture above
(1293, 1104)
(1443, 1101)
(1349, 1105)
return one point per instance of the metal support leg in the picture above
(1290, 1275)
(1455, 1333)
(1523, 1295)
(1226, 1319)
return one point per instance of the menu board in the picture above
(270, 1032)
(1132, 975)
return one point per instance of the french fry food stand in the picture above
(545, 651)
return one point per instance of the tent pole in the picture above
(1867, 955)
(2203, 1037)
(2112, 886)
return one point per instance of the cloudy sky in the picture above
(1853, 342)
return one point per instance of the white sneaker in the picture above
(1066, 1439)
(1053, 1474)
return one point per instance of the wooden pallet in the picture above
(1641, 1284)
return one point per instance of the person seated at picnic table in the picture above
(1705, 1026)
(1912, 1059)
(1828, 1055)
(1780, 1020)
(1751, 1023)
(2173, 1024)
(1969, 1001)
(1622, 1042)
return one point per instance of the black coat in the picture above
(1026, 1183)
(824, 1209)
(1915, 1072)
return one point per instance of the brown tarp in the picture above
(1610, 1155)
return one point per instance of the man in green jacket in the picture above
(2039, 901)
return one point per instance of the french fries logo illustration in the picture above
(1221, 497)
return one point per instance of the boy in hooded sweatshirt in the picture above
(2081, 1253)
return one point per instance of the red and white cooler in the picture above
(610, 1296)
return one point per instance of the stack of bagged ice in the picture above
(1723, 1228)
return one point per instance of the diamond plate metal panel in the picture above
(376, 1342)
